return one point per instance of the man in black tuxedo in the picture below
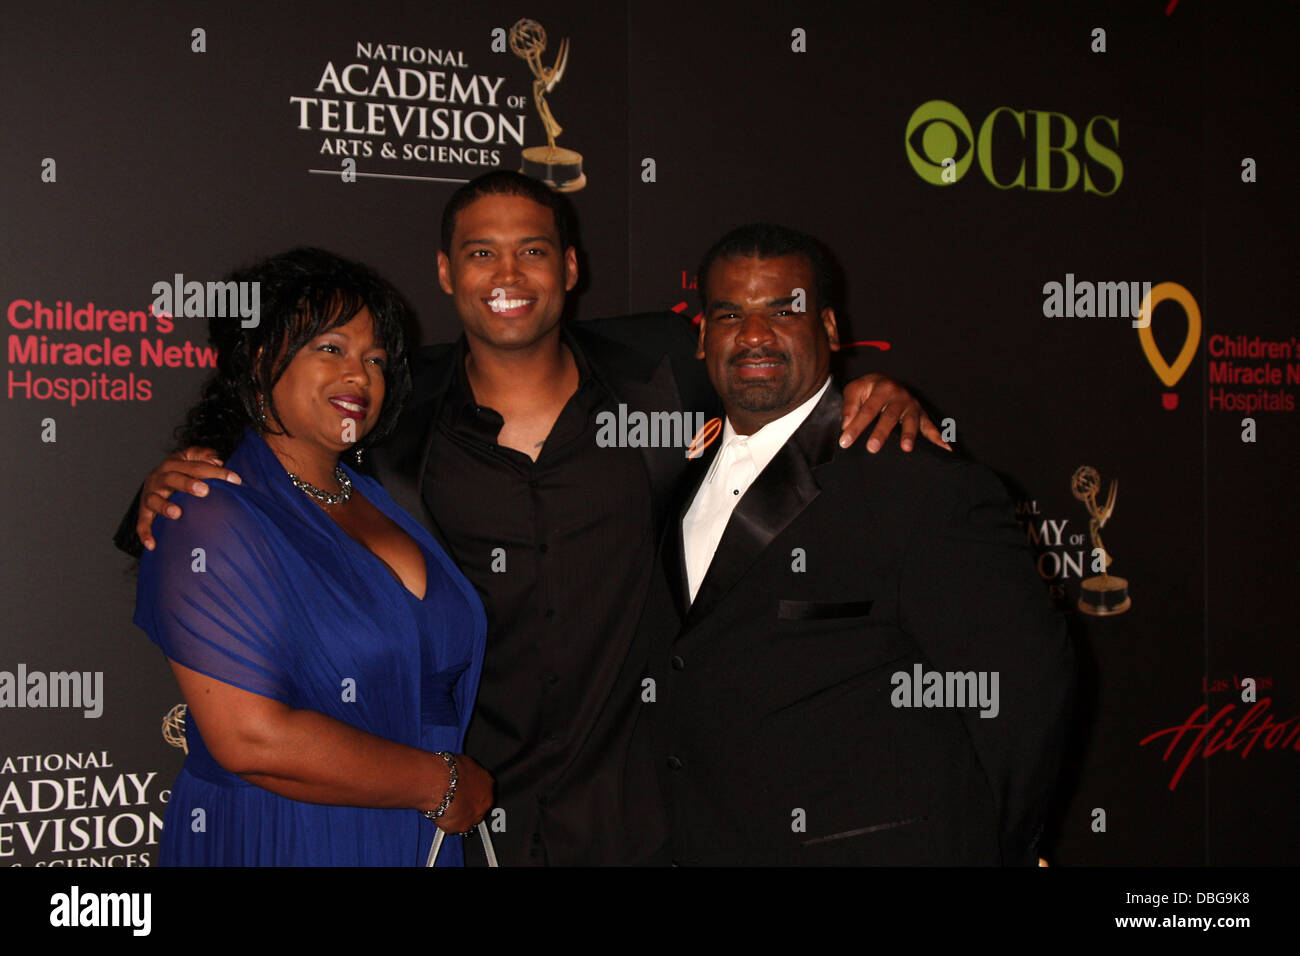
(497, 453)
(854, 659)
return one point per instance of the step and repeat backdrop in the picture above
(1069, 227)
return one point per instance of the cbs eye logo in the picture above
(945, 139)
(1013, 152)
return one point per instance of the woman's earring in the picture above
(358, 454)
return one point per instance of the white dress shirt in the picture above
(738, 462)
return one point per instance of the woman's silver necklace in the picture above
(339, 497)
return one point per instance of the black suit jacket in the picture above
(776, 738)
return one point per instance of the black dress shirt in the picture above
(560, 549)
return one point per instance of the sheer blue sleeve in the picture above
(214, 596)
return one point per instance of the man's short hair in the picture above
(766, 240)
(504, 182)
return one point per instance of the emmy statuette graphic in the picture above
(173, 727)
(559, 168)
(1104, 594)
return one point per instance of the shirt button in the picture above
(542, 548)
(532, 483)
(674, 763)
(550, 613)
(553, 679)
(543, 799)
(677, 662)
(735, 491)
(537, 838)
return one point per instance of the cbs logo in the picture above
(1025, 149)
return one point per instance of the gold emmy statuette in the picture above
(559, 168)
(1104, 594)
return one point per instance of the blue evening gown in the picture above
(283, 603)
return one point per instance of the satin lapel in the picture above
(784, 489)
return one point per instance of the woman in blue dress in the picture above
(327, 647)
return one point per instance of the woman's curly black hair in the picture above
(303, 293)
